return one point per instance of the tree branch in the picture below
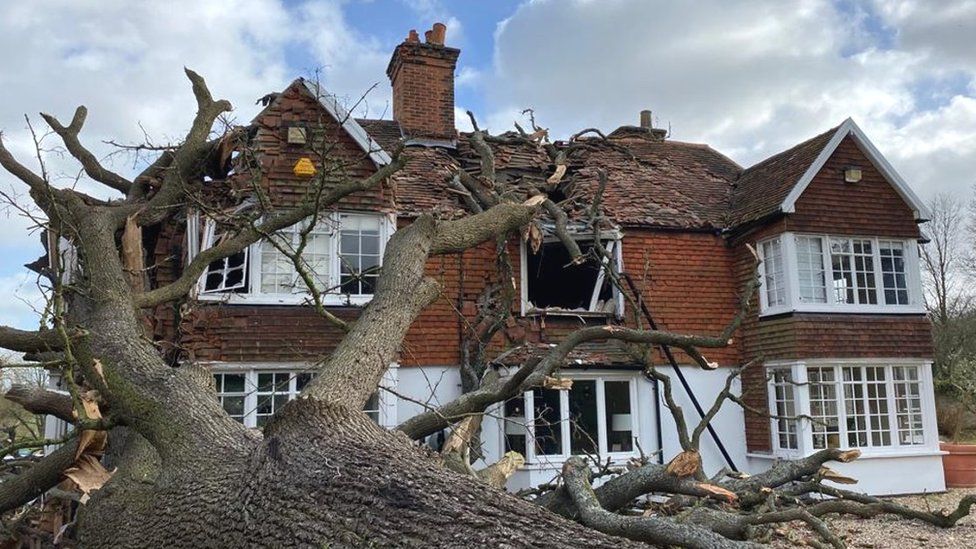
(44, 475)
(29, 342)
(648, 529)
(88, 161)
(42, 401)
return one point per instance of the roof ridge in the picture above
(774, 156)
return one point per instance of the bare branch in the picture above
(29, 342)
(88, 161)
(42, 401)
(649, 529)
(33, 482)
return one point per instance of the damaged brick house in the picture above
(838, 322)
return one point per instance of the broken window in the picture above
(555, 282)
(224, 275)
(342, 253)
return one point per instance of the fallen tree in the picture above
(178, 471)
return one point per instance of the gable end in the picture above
(850, 128)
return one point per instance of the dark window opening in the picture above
(554, 282)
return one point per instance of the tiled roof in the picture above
(386, 132)
(761, 189)
(651, 181)
(664, 183)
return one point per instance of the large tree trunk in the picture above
(322, 478)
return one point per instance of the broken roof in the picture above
(652, 181)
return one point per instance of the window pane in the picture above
(515, 431)
(234, 405)
(877, 393)
(908, 405)
(619, 417)
(784, 409)
(359, 257)
(823, 407)
(233, 383)
(893, 272)
(773, 269)
(546, 419)
(230, 394)
(372, 406)
(302, 379)
(584, 422)
(809, 258)
(228, 274)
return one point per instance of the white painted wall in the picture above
(879, 475)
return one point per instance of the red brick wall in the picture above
(687, 281)
(343, 160)
(423, 89)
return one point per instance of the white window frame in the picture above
(794, 303)
(250, 370)
(776, 423)
(534, 460)
(614, 247)
(253, 294)
(929, 432)
(785, 281)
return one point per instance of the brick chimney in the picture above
(422, 75)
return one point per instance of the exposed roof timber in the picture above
(331, 104)
(849, 127)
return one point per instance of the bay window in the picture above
(881, 406)
(595, 417)
(822, 273)
(342, 253)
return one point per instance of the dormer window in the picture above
(342, 253)
(824, 273)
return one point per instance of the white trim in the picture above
(915, 305)
(849, 127)
(253, 296)
(930, 445)
(387, 400)
(548, 461)
(331, 104)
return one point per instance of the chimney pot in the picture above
(645, 119)
(428, 35)
(412, 36)
(439, 34)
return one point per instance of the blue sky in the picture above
(748, 77)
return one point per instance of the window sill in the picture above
(568, 312)
(298, 299)
(845, 309)
(866, 453)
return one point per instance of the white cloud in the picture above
(750, 78)
(124, 60)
